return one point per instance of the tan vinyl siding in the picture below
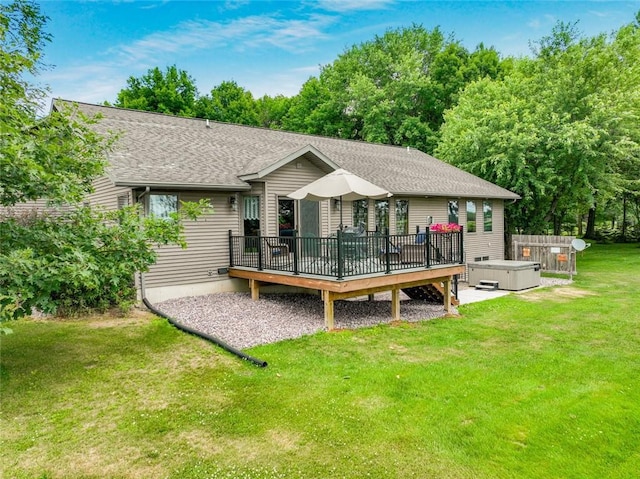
(329, 218)
(478, 244)
(482, 244)
(24, 208)
(207, 250)
(105, 194)
(286, 180)
(420, 208)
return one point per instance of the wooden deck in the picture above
(333, 289)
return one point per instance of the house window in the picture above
(453, 211)
(251, 215)
(382, 215)
(286, 217)
(162, 205)
(471, 216)
(402, 217)
(123, 201)
(361, 213)
(487, 209)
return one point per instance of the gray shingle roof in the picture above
(156, 149)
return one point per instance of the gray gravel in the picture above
(243, 323)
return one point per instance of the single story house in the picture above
(247, 172)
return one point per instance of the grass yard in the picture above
(544, 384)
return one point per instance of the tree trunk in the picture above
(557, 225)
(551, 214)
(591, 223)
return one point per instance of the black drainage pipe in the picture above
(208, 337)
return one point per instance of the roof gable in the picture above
(262, 166)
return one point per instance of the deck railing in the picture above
(346, 254)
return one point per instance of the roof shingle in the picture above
(157, 149)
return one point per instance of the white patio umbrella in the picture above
(339, 184)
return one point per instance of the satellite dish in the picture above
(579, 244)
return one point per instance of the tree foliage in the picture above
(392, 90)
(556, 129)
(35, 153)
(72, 256)
(229, 103)
(173, 92)
(271, 111)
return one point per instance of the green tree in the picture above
(620, 96)
(310, 111)
(34, 152)
(229, 103)
(555, 130)
(73, 256)
(173, 92)
(271, 111)
(393, 89)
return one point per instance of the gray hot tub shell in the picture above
(510, 275)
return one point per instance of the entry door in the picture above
(309, 218)
(286, 216)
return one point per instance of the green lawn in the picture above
(544, 384)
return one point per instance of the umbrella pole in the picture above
(341, 205)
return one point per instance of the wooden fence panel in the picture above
(554, 253)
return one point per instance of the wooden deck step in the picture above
(431, 293)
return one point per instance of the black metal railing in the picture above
(346, 254)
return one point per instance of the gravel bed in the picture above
(243, 323)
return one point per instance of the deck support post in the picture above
(395, 304)
(254, 286)
(447, 295)
(327, 296)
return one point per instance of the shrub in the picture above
(79, 260)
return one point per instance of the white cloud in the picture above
(535, 23)
(234, 4)
(308, 70)
(94, 82)
(91, 83)
(249, 32)
(544, 22)
(152, 5)
(352, 5)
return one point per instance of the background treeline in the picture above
(559, 127)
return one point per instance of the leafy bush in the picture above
(79, 260)
(614, 235)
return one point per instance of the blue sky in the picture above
(273, 47)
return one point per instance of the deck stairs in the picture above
(487, 285)
(431, 293)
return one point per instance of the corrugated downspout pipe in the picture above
(217, 341)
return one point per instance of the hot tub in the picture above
(510, 275)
